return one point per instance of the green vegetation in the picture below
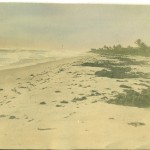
(94, 93)
(76, 99)
(121, 73)
(136, 124)
(65, 102)
(125, 86)
(58, 105)
(119, 65)
(121, 61)
(119, 69)
(2, 116)
(133, 98)
(142, 49)
(12, 117)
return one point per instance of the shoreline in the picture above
(30, 65)
(33, 67)
(51, 58)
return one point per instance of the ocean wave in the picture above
(11, 58)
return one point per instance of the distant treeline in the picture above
(141, 49)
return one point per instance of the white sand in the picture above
(90, 123)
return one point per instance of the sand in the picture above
(52, 105)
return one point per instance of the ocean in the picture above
(19, 58)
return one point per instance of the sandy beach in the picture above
(62, 105)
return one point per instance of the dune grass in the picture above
(134, 51)
(119, 65)
(133, 98)
(76, 99)
(119, 69)
(121, 73)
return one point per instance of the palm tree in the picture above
(140, 44)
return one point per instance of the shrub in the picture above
(133, 98)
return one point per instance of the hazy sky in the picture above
(76, 27)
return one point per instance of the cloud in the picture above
(48, 26)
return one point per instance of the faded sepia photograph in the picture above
(74, 76)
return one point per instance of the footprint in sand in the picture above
(26, 117)
(94, 101)
(44, 88)
(70, 115)
(30, 120)
(59, 106)
(57, 91)
(2, 116)
(13, 117)
(13, 97)
(64, 102)
(15, 90)
(42, 129)
(18, 78)
(111, 118)
(8, 102)
(54, 101)
(43, 103)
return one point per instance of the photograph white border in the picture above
(134, 2)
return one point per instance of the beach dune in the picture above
(62, 105)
